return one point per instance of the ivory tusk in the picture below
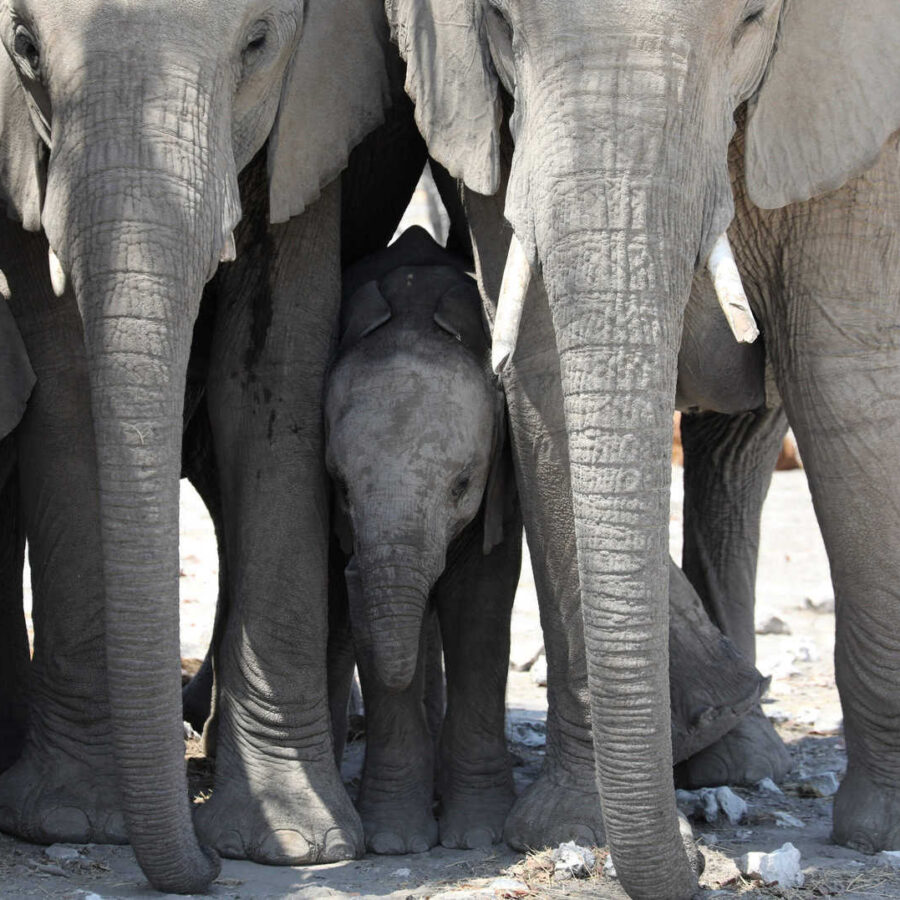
(516, 278)
(229, 251)
(57, 275)
(727, 281)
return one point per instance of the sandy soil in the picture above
(793, 585)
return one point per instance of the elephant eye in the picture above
(753, 12)
(460, 487)
(26, 49)
(256, 41)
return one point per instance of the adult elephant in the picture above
(123, 129)
(617, 190)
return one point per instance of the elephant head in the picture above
(123, 127)
(617, 188)
(415, 431)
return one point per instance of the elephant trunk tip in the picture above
(202, 871)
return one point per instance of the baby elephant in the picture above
(429, 516)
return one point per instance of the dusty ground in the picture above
(793, 585)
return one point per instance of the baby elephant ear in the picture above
(16, 375)
(459, 314)
(364, 312)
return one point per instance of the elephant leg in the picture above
(340, 654)
(728, 465)
(396, 796)
(563, 803)
(64, 786)
(278, 797)
(837, 361)
(14, 653)
(474, 600)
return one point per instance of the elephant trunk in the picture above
(389, 590)
(617, 255)
(138, 222)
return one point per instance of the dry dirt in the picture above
(793, 585)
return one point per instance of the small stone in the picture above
(825, 784)
(734, 807)
(891, 857)
(609, 870)
(572, 861)
(189, 733)
(539, 672)
(509, 887)
(786, 820)
(806, 653)
(823, 607)
(773, 625)
(767, 786)
(781, 867)
(401, 873)
(62, 852)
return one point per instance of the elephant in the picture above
(599, 141)
(141, 147)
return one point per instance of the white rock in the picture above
(773, 625)
(891, 857)
(538, 672)
(820, 606)
(734, 807)
(786, 820)
(806, 653)
(609, 870)
(767, 786)
(572, 861)
(189, 733)
(509, 887)
(825, 784)
(782, 866)
(62, 852)
(401, 873)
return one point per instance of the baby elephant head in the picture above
(414, 436)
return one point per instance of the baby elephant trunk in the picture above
(388, 591)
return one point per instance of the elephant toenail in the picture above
(419, 844)
(67, 824)
(386, 842)
(285, 846)
(114, 830)
(476, 838)
(230, 845)
(338, 846)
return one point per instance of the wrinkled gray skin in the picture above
(151, 111)
(416, 444)
(617, 188)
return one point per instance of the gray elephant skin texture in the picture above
(145, 144)
(616, 183)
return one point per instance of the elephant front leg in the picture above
(278, 797)
(728, 467)
(64, 786)
(474, 600)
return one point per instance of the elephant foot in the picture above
(866, 814)
(750, 752)
(473, 816)
(50, 797)
(285, 814)
(558, 807)
(397, 818)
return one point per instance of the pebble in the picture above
(891, 857)
(825, 784)
(189, 733)
(819, 606)
(786, 820)
(572, 861)
(782, 866)
(734, 807)
(538, 672)
(62, 852)
(509, 887)
(609, 870)
(806, 653)
(773, 625)
(707, 803)
(767, 786)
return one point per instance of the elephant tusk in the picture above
(57, 274)
(730, 292)
(229, 251)
(516, 278)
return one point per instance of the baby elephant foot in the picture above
(558, 807)
(50, 797)
(866, 814)
(750, 752)
(291, 814)
(397, 819)
(472, 816)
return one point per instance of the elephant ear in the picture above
(21, 151)
(500, 484)
(335, 93)
(16, 375)
(829, 101)
(364, 312)
(459, 314)
(451, 80)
